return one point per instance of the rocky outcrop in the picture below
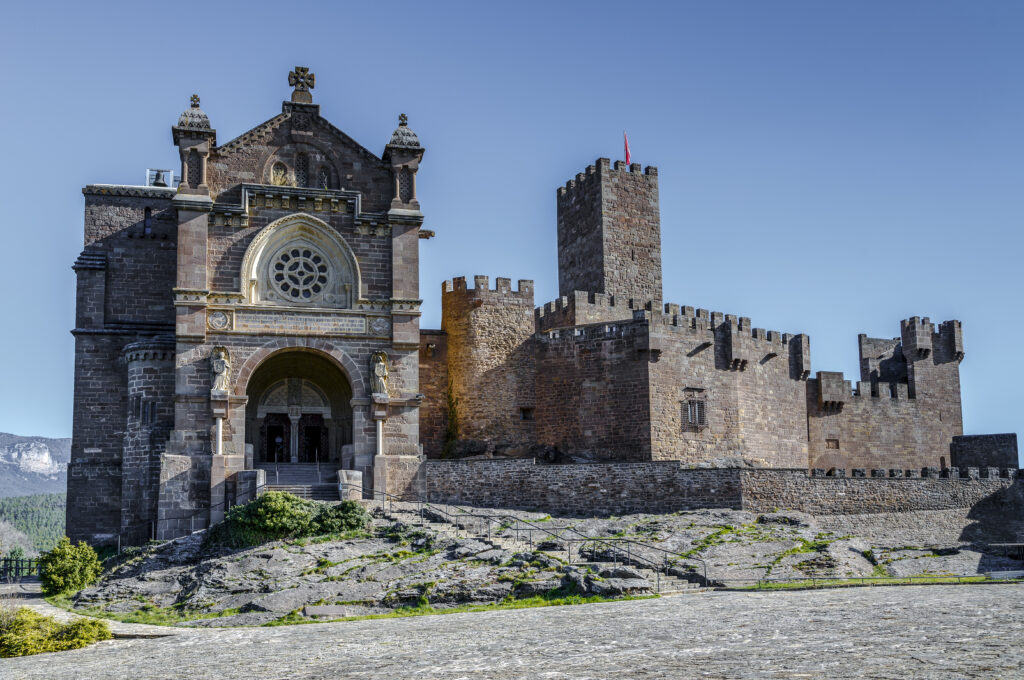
(30, 465)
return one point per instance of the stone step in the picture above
(313, 492)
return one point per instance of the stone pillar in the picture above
(294, 415)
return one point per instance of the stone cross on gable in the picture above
(303, 81)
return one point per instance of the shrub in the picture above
(69, 568)
(338, 519)
(278, 515)
(28, 632)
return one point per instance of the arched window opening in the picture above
(323, 178)
(147, 221)
(301, 260)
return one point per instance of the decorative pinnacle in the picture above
(403, 120)
(195, 101)
(303, 81)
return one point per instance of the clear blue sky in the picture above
(825, 168)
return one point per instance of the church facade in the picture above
(260, 320)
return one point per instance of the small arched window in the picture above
(323, 178)
(302, 170)
(147, 221)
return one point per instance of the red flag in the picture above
(625, 139)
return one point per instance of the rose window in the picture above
(300, 273)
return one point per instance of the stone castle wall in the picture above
(905, 410)
(984, 450)
(490, 358)
(670, 486)
(609, 233)
(750, 380)
(613, 488)
(580, 308)
(766, 490)
(592, 391)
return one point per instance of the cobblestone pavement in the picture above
(889, 632)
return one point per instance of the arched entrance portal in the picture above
(298, 411)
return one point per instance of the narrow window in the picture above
(695, 414)
(194, 170)
(302, 170)
(323, 178)
(526, 413)
(832, 444)
(147, 221)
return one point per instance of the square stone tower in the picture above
(609, 233)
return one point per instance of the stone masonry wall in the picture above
(766, 490)
(299, 129)
(905, 410)
(614, 488)
(668, 486)
(580, 308)
(984, 450)
(125, 277)
(490, 358)
(609, 233)
(592, 391)
(749, 379)
(434, 386)
(98, 428)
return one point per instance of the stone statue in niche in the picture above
(220, 367)
(279, 174)
(379, 373)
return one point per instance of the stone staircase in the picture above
(311, 492)
(408, 513)
(305, 480)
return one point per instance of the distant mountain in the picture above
(31, 465)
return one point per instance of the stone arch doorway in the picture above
(299, 411)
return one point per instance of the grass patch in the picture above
(295, 616)
(149, 613)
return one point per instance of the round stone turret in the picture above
(194, 118)
(403, 137)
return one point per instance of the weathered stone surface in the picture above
(736, 635)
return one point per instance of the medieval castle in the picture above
(258, 323)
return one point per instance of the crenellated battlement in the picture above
(580, 308)
(596, 331)
(604, 166)
(481, 290)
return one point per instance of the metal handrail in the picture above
(849, 581)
